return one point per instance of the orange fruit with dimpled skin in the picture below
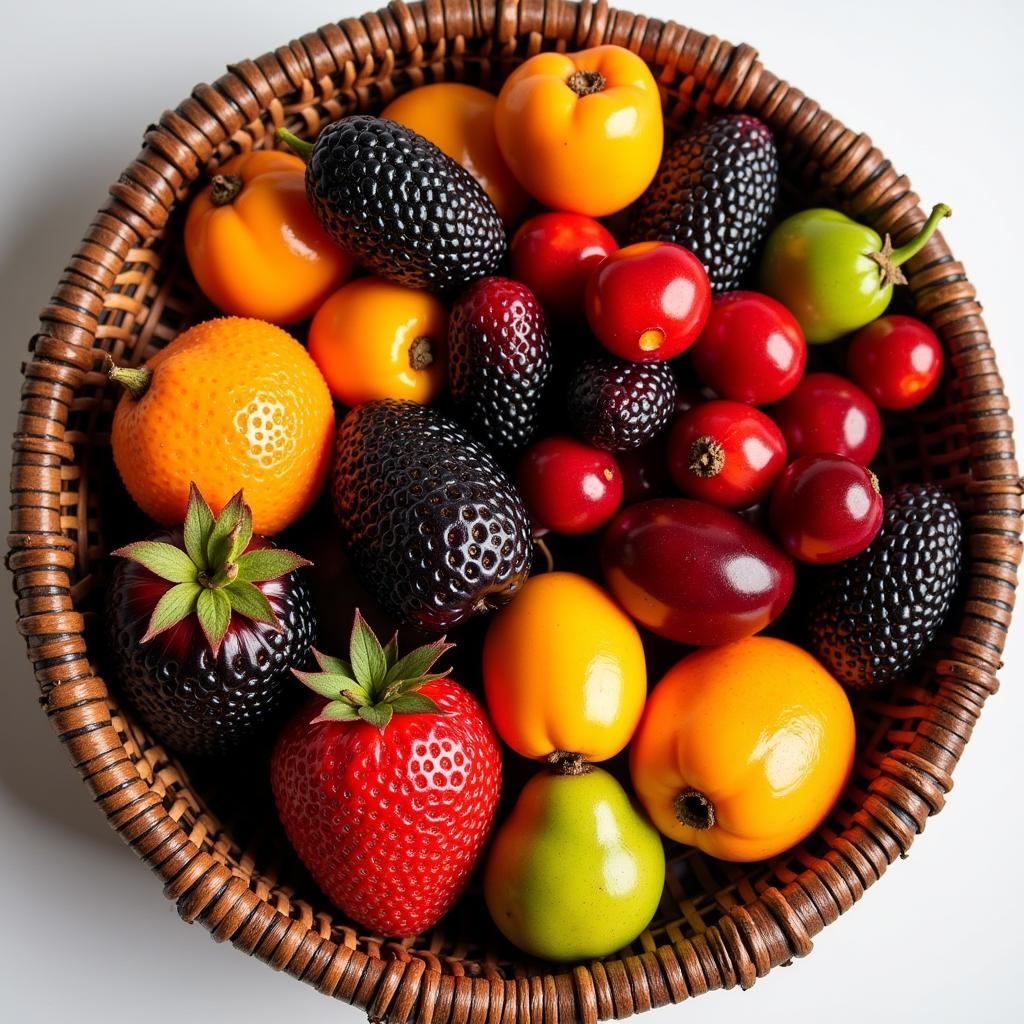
(743, 749)
(230, 403)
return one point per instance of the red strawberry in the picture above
(387, 783)
(499, 361)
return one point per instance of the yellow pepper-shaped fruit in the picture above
(582, 131)
(564, 670)
(743, 749)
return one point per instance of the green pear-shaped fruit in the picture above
(576, 871)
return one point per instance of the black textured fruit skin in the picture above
(404, 209)
(874, 615)
(714, 193)
(435, 528)
(499, 361)
(192, 702)
(615, 404)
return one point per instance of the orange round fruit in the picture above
(582, 131)
(743, 749)
(459, 120)
(564, 670)
(229, 404)
(377, 339)
(254, 244)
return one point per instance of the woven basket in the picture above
(126, 291)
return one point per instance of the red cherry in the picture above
(826, 508)
(568, 486)
(826, 414)
(649, 301)
(727, 453)
(555, 254)
(751, 349)
(897, 360)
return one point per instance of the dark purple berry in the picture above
(714, 193)
(435, 528)
(615, 404)
(499, 361)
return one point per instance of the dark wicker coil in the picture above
(125, 291)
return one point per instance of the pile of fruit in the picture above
(510, 381)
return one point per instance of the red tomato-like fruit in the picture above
(554, 254)
(751, 349)
(388, 814)
(568, 486)
(649, 301)
(727, 453)
(826, 508)
(694, 573)
(897, 360)
(826, 414)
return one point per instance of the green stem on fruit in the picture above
(695, 810)
(564, 762)
(299, 146)
(134, 379)
(917, 243)
(586, 83)
(225, 188)
(421, 353)
(706, 457)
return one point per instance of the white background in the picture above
(85, 931)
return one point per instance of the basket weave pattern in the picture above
(126, 291)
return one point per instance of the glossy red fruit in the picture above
(649, 301)
(751, 349)
(826, 508)
(568, 486)
(389, 818)
(828, 415)
(555, 254)
(897, 360)
(693, 572)
(727, 453)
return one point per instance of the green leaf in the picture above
(176, 604)
(244, 534)
(417, 663)
(214, 610)
(400, 686)
(337, 712)
(415, 704)
(166, 560)
(226, 531)
(198, 524)
(327, 684)
(391, 650)
(376, 714)
(366, 654)
(268, 564)
(251, 602)
(333, 665)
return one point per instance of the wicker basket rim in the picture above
(750, 939)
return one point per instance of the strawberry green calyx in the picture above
(213, 575)
(374, 684)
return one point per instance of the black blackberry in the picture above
(435, 528)
(875, 614)
(193, 700)
(404, 209)
(615, 404)
(499, 360)
(714, 193)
